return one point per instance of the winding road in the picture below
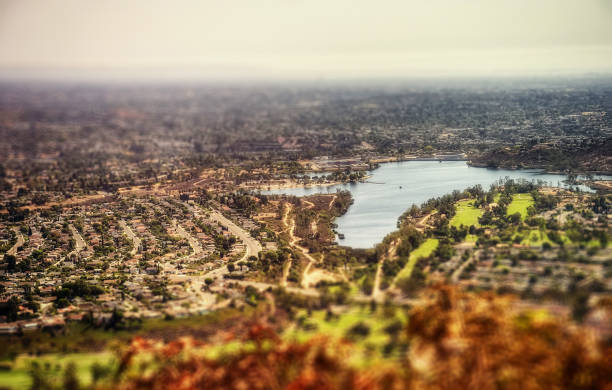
(20, 242)
(132, 236)
(193, 242)
(80, 244)
(253, 247)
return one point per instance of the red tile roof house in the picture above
(53, 322)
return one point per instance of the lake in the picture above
(380, 201)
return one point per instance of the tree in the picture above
(70, 380)
(360, 329)
(580, 305)
(11, 263)
(10, 308)
(515, 218)
(445, 251)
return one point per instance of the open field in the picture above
(535, 237)
(79, 338)
(18, 377)
(520, 203)
(424, 250)
(466, 214)
(338, 327)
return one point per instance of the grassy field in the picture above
(424, 250)
(520, 203)
(535, 237)
(18, 377)
(466, 214)
(337, 328)
(81, 338)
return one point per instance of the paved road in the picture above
(253, 247)
(79, 244)
(193, 242)
(20, 241)
(132, 236)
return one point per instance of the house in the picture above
(9, 328)
(29, 326)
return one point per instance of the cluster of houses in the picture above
(127, 248)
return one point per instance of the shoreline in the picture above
(543, 169)
(291, 185)
(294, 184)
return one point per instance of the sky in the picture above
(295, 39)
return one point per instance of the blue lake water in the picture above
(380, 201)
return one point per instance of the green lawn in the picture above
(520, 203)
(593, 243)
(337, 328)
(424, 250)
(18, 377)
(535, 237)
(466, 214)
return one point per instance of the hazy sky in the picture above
(304, 39)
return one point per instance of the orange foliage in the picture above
(469, 341)
(272, 364)
(458, 340)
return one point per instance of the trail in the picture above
(376, 292)
(313, 226)
(309, 203)
(285, 274)
(288, 264)
(422, 224)
(457, 273)
(307, 277)
(331, 202)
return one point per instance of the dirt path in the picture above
(310, 205)
(287, 265)
(308, 278)
(457, 273)
(422, 224)
(391, 252)
(331, 202)
(287, 209)
(313, 226)
(285, 275)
